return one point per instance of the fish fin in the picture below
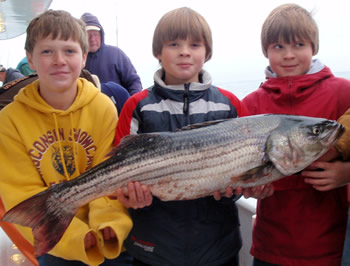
(256, 171)
(47, 221)
(132, 141)
(204, 124)
(260, 175)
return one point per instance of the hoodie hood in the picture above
(298, 88)
(31, 97)
(91, 20)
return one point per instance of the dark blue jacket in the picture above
(116, 92)
(110, 63)
(12, 74)
(192, 232)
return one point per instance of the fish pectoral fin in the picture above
(256, 173)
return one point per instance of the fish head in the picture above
(298, 141)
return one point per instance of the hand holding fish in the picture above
(135, 196)
(90, 239)
(328, 175)
(228, 193)
(258, 192)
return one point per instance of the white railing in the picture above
(246, 209)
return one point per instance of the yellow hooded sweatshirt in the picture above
(38, 145)
(343, 144)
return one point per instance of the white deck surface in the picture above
(10, 254)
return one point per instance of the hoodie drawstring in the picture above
(75, 154)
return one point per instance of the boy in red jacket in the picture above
(331, 172)
(298, 225)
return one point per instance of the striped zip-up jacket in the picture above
(194, 232)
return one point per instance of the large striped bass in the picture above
(191, 163)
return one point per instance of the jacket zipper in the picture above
(186, 100)
(290, 84)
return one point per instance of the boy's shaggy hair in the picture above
(56, 24)
(289, 23)
(182, 23)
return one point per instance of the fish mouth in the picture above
(336, 130)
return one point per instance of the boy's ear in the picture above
(30, 60)
(84, 60)
(159, 59)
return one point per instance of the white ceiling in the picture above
(15, 15)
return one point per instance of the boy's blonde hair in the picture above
(182, 23)
(56, 24)
(289, 23)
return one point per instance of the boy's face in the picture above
(182, 61)
(58, 64)
(290, 59)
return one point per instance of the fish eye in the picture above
(316, 130)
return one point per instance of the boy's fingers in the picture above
(108, 233)
(139, 194)
(148, 195)
(217, 195)
(239, 190)
(229, 192)
(89, 240)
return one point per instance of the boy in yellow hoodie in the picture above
(58, 127)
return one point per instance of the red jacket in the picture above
(299, 225)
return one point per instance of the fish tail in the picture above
(48, 221)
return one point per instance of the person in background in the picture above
(62, 111)
(332, 171)
(24, 67)
(298, 224)
(10, 90)
(7, 75)
(203, 231)
(108, 62)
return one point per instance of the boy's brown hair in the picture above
(182, 23)
(289, 23)
(56, 24)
